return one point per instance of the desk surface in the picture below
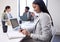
(4, 37)
(28, 26)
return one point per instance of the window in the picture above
(22, 6)
(24, 3)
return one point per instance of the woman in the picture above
(42, 32)
(6, 15)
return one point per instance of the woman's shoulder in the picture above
(44, 15)
(3, 13)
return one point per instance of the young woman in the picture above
(42, 32)
(6, 15)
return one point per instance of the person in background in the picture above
(6, 15)
(42, 31)
(27, 15)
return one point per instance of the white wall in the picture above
(12, 3)
(54, 9)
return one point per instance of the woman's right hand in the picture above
(32, 14)
(25, 32)
(21, 30)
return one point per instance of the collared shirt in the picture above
(28, 14)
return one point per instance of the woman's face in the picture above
(8, 10)
(36, 8)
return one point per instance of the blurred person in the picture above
(27, 15)
(6, 15)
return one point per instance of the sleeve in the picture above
(46, 26)
(2, 17)
(11, 16)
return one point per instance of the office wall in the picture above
(54, 9)
(12, 3)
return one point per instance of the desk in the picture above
(28, 25)
(25, 25)
(4, 37)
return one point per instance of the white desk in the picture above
(4, 38)
(28, 25)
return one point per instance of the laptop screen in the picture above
(14, 22)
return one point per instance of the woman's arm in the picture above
(2, 16)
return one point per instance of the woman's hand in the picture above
(32, 14)
(25, 32)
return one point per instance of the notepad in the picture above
(15, 35)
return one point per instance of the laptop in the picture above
(15, 24)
